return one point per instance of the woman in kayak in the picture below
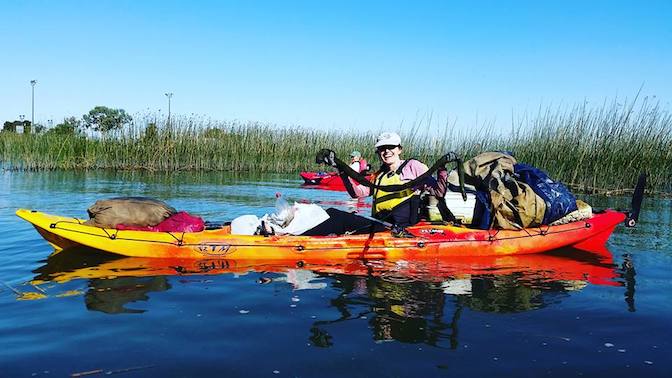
(399, 208)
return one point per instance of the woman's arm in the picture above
(437, 187)
(358, 190)
(441, 183)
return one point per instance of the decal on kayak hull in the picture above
(213, 249)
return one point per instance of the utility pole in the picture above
(32, 114)
(169, 95)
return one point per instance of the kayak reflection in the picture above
(111, 296)
(422, 302)
(409, 301)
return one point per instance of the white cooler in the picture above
(461, 209)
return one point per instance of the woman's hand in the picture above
(326, 156)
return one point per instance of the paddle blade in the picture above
(637, 198)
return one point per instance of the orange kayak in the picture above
(429, 241)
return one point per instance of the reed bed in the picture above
(587, 148)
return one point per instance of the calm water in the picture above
(607, 313)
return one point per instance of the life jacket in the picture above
(387, 201)
(363, 165)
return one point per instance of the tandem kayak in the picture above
(428, 241)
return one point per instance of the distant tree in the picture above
(104, 119)
(10, 126)
(39, 128)
(69, 126)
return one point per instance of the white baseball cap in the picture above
(388, 139)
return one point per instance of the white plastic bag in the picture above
(245, 225)
(305, 217)
(288, 219)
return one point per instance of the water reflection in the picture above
(398, 309)
(351, 205)
(112, 295)
(422, 302)
(628, 274)
(411, 302)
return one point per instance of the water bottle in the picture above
(284, 212)
(280, 203)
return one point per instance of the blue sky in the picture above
(331, 64)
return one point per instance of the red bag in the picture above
(178, 222)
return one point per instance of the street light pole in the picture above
(169, 95)
(32, 114)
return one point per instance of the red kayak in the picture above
(324, 180)
(315, 178)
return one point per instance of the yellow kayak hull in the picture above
(430, 241)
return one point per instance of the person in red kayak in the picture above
(358, 163)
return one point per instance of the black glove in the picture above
(326, 156)
(450, 157)
(445, 159)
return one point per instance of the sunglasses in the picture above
(386, 147)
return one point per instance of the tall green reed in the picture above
(587, 147)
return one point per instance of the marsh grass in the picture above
(588, 148)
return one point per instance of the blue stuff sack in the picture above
(482, 213)
(559, 200)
